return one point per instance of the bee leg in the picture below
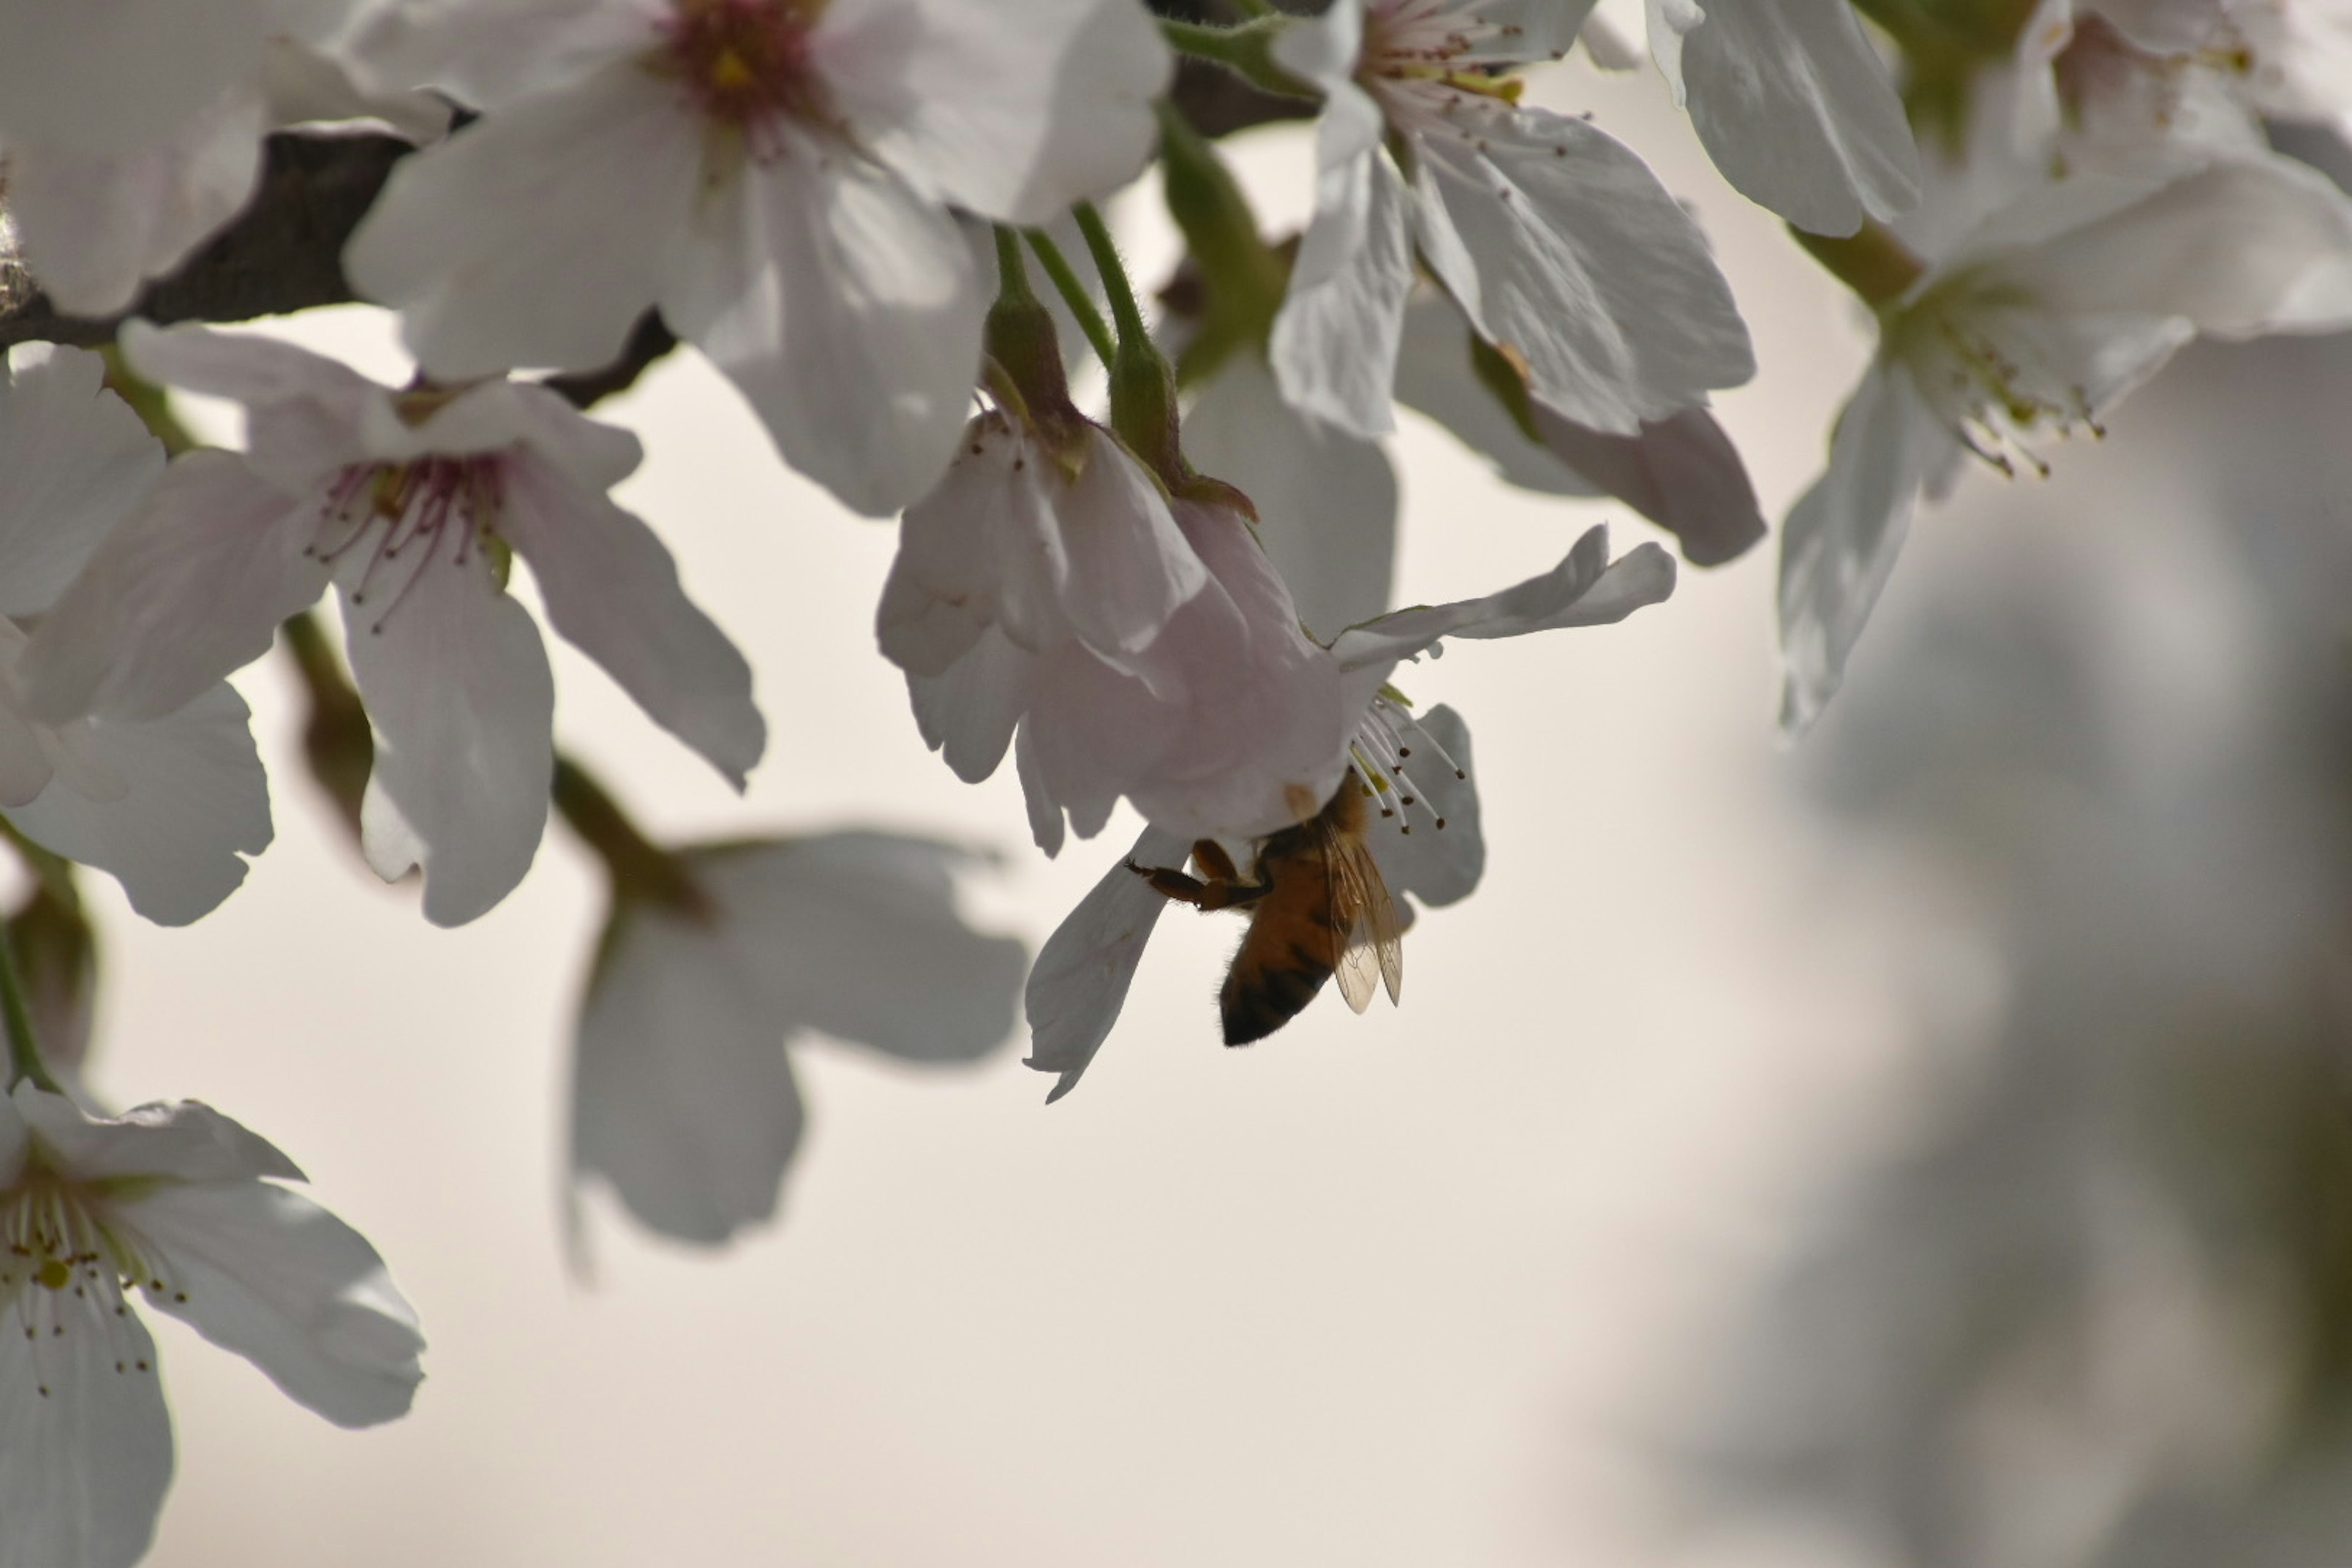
(1175, 885)
(1211, 857)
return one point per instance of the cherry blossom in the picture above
(1555, 241)
(683, 1099)
(182, 1207)
(1794, 105)
(2044, 316)
(169, 805)
(411, 504)
(132, 130)
(787, 168)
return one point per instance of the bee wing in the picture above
(1373, 951)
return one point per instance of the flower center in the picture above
(396, 520)
(746, 63)
(1415, 57)
(1389, 747)
(63, 1271)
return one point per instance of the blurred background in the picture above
(1928, 1147)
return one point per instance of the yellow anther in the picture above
(730, 72)
(54, 1274)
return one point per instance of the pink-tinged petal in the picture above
(467, 237)
(1794, 105)
(682, 1098)
(1092, 733)
(1335, 342)
(187, 1140)
(303, 410)
(856, 934)
(270, 1275)
(74, 461)
(1013, 110)
(981, 549)
(1586, 589)
(1082, 975)
(1681, 471)
(193, 803)
(458, 684)
(109, 76)
(85, 1443)
(1129, 566)
(1562, 248)
(967, 714)
(845, 307)
(611, 589)
(189, 589)
(1841, 540)
(1326, 499)
(97, 224)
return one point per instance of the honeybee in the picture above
(1318, 907)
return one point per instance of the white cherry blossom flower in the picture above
(1682, 472)
(132, 130)
(1084, 970)
(1793, 103)
(786, 168)
(1557, 241)
(409, 503)
(682, 1097)
(171, 804)
(2042, 318)
(182, 1207)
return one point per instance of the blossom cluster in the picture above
(1178, 602)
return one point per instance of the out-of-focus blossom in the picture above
(682, 1097)
(1555, 241)
(180, 1207)
(1794, 105)
(2288, 58)
(1083, 972)
(2045, 315)
(410, 503)
(168, 804)
(1682, 472)
(787, 171)
(132, 130)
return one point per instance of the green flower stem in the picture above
(1105, 251)
(149, 402)
(1142, 382)
(1247, 50)
(24, 1056)
(337, 741)
(1243, 277)
(639, 867)
(1873, 262)
(1073, 292)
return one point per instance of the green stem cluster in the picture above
(25, 1062)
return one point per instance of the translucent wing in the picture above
(1373, 949)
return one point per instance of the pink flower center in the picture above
(398, 517)
(747, 63)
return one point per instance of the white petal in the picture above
(1013, 110)
(967, 714)
(305, 411)
(74, 459)
(2241, 248)
(1561, 245)
(846, 309)
(185, 1140)
(188, 590)
(85, 1449)
(1522, 32)
(1438, 866)
(1130, 567)
(270, 1275)
(457, 685)
(112, 75)
(857, 935)
(1083, 972)
(613, 591)
(96, 225)
(489, 56)
(1048, 822)
(1586, 589)
(1795, 106)
(681, 1095)
(1322, 51)
(1842, 537)
(194, 801)
(947, 583)
(1334, 347)
(1326, 499)
(467, 237)
(1092, 733)
(1681, 471)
